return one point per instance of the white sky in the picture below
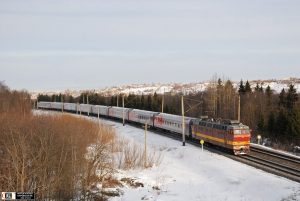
(59, 44)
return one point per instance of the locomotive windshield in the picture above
(241, 131)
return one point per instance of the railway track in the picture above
(274, 162)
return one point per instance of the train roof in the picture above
(174, 117)
(120, 108)
(144, 111)
(100, 106)
(233, 124)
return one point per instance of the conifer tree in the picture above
(269, 94)
(261, 123)
(149, 102)
(219, 83)
(248, 87)
(282, 101)
(142, 102)
(281, 123)
(268, 91)
(242, 87)
(271, 123)
(154, 104)
(291, 97)
(293, 126)
(112, 101)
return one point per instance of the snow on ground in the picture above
(187, 173)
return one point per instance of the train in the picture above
(229, 134)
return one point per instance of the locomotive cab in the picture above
(240, 139)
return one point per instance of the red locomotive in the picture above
(229, 134)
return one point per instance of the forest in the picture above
(269, 114)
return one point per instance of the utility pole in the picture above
(234, 106)
(162, 103)
(80, 109)
(87, 102)
(77, 106)
(239, 109)
(62, 101)
(183, 123)
(123, 111)
(117, 100)
(145, 151)
(83, 98)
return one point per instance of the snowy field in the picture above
(187, 173)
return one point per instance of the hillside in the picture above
(160, 88)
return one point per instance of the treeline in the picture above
(47, 154)
(267, 113)
(151, 102)
(274, 115)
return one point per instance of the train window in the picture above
(245, 132)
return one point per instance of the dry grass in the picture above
(130, 155)
(46, 154)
